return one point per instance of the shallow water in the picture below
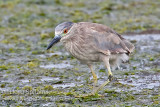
(142, 37)
(140, 82)
(60, 66)
(64, 85)
(49, 79)
(30, 75)
(59, 73)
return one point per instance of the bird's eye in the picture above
(65, 31)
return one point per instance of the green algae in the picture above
(48, 87)
(26, 27)
(26, 72)
(27, 88)
(3, 85)
(3, 67)
(32, 64)
(102, 70)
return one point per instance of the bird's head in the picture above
(60, 31)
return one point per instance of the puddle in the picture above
(66, 85)
(142, 82)
(7, 81)
(24, 81)
(52, 54)
(59, 66)
(143, 37)
(49, 79)
(3, 90)
(48, 105)
(56, 53)
(41, 56)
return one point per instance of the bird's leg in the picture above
(94, 75)
(96, 89)
(95, 82)
(110, 76)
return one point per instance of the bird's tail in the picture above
(129, 45)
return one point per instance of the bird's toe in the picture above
(110, 77)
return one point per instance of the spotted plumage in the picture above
(92, 42)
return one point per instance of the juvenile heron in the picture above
(92, 42)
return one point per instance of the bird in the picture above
(93, 42)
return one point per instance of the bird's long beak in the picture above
(54, 41)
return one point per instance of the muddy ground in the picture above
(32, 76)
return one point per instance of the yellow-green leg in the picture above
(95, 82)
(94, 75)
(110, 76)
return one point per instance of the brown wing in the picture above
(106, 40)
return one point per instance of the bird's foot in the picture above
(95, 90)
(110, 77)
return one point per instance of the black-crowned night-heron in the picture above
(92, 42)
